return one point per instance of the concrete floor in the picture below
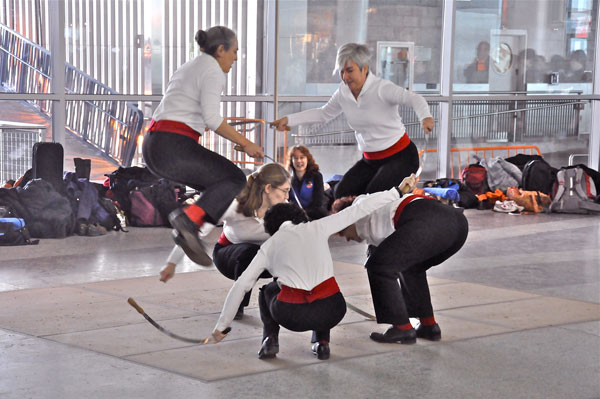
(519, 307)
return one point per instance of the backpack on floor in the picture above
(14, 232)
(151, 205)
(501, 174)
(474, 177)
(538, 175)
(143, 212)
(520, 160)
(121, 181)
(575, 192)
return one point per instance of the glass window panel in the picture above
(409, 54)
(20, 128)
(24, 65)
(554, 128)
(333, 144)
(312, 31)
(524, 45)
(128, 46)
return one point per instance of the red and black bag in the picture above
(474, 177)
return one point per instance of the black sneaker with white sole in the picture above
(201, 259)
(187, 237)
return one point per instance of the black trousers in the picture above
(180, 159)
(231, 260)
(370, 176)
(320, 316)
(427, 233)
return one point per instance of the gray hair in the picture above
(359, 53)
(210, 40)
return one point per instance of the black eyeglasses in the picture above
(285, 190)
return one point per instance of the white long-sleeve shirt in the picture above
(379, 224)
(193, 95)
(298, 255)
(236, 227)
(239, 228)
(373, 115)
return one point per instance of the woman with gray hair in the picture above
(370, 105)
(171, 149)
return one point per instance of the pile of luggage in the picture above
(47, 202)
(522, 183)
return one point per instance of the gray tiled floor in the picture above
(519, 306)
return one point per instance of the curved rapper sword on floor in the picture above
(167, 332)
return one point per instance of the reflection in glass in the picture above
(394, 62)
(502, 58)
(312, 31)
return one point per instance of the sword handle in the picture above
(136, 306)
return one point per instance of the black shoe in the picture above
(395, 335)
(432, 333)
(269, 348)
(240, 313)
(188, 238)
(321, 350)
(196, 258)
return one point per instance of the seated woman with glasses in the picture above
(243, 230)
(307, 182)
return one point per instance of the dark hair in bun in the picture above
(210, 40)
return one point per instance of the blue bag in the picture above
(14, 232)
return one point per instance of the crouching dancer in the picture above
(305, 295)
(406, 237)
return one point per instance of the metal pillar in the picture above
(594, 142)
(56, 10)
(445, 117)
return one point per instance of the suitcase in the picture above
(48, 161)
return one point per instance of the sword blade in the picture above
(360, 311)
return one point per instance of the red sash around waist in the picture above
(405, 202)
(223, 240)
(396, 148)
(173, 127)
(326, 289)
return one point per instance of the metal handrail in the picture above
(111, 128)
(532, 92)
(456, 118)
(22, 61)
(484, 150)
